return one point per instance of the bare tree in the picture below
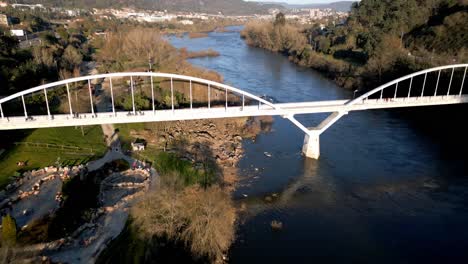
(202, 219)
(161, 213)
(210, 230)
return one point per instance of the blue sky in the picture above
(298, 1)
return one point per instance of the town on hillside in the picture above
(69, 15)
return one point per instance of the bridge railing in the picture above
(439, 81)
(244, 97)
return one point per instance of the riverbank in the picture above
(200, 29)
(289, 40)
(213, 143)
(348, 56)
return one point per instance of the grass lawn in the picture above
(42, 157)
(124, 133)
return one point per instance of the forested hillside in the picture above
(421, 23)
(446, 31)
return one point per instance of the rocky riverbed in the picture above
(217, 142)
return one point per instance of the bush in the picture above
(203, 219)
(8, 231)
(168, 164)
(210, 230)
(286, 38)
(141, 102)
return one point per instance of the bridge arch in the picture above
(192, 80)
(311, 146)
(394, 83)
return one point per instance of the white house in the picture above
(17, 32)
(186, 22)
(138, 146)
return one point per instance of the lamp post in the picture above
(150, 62)
(354, 94)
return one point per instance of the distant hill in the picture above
(343, 6)
(237, 7)
(228, 7)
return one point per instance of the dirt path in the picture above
(103, 104)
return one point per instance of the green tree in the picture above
(48, 39)
(386, 54)
(141, 102)
(63, 33)
(324, 44)
(8, 231)
(8, 45)
(36, 24)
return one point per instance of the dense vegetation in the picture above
(56, 56)
(380, 41)
(202, 218)
(27, 73)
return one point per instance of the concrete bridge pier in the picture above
(311, 146)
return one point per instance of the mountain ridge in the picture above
(228, 7)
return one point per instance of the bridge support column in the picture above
(311, 146)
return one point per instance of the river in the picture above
(386, 189)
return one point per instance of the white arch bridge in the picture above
(436, 86)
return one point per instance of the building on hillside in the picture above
(139, 145)
(186, 22)
(25, 6)
(4, 20)
(3, 4)
(100, 33)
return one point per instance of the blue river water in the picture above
(386, 189)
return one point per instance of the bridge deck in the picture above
(63, 120)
